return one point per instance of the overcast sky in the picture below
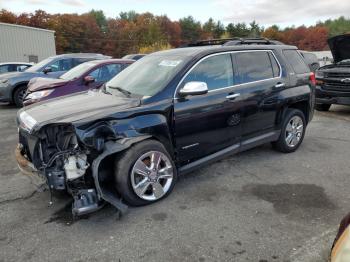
(265, 12)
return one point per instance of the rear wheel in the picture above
(18, 96)
(145, 173)
(322, 107)
(292, 133)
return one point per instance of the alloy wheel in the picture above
(152, 175)
(294, 131)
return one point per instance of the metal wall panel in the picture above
(17, 43)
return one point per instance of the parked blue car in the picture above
(14, 85)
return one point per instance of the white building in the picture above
(25, 44)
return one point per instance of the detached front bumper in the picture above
(28, 169)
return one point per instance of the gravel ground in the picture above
(256, 206)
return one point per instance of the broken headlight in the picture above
(26, 122)
(39, 94)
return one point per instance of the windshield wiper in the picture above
(121, 90)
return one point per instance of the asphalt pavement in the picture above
(259, 205)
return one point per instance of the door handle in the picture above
(233, 96)
(280, 85)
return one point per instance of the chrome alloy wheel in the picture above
(152, 175)
(294, 131)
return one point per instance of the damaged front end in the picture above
(56, 153)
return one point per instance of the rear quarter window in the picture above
(275, 67)
(296, 61)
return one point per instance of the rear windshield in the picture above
(296, 61)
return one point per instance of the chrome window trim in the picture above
(237, 85)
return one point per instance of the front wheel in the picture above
(292, 133)
(18, 96)
(145, 173)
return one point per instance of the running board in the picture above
(236, 148)
(259, 140)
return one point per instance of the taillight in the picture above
(313, 78)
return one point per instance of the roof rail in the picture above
(210, 42)
(234, 41)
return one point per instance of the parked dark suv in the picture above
(14, 85)
(165, 115)
(333, 81)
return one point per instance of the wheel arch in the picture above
(18, 85)
(303, 106)
(102, 168)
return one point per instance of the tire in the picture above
(285, 144)
(128, 178)
(19, 95)
(322, 107)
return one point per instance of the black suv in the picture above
(167, 114)
(333, 81)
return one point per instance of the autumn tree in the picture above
(100, 18)
(7, 17)
(273, 32)
(132, 32)
(171, 30)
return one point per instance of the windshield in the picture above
(39, 66)
(147, 76)
(77, 71)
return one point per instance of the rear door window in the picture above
(296, 61)
(216, 71)
(254, 66)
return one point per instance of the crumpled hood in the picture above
(340, 47)
(40, 83)
(77, 107)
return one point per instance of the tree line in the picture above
(132, 32)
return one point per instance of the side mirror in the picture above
(194, 88)
(88, 80)
(47, 69)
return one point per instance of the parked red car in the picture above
(89, 75)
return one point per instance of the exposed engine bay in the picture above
(57, 156)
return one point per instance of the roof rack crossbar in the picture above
(232, 41)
